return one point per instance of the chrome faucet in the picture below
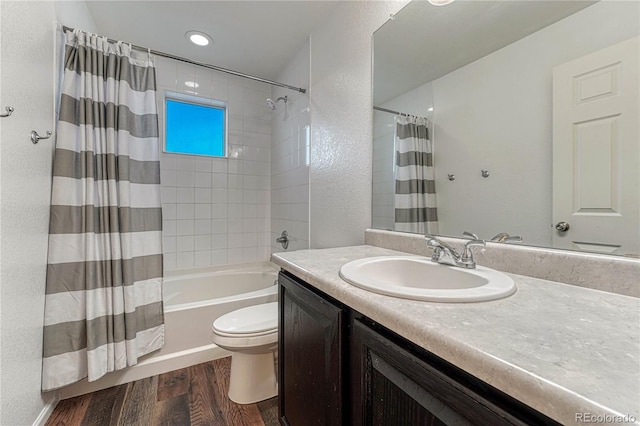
(283, 239)
(446, 254)
(503, 237)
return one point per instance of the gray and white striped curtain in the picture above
(103, 304)
(415, 197)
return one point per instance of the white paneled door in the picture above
(596, 151)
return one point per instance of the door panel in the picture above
(310, 363)
(391, 386)
(596, 151)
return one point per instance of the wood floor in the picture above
(194, 395)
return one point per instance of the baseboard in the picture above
(151, 366)
(44, 415)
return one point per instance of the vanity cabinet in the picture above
(338, 367)
(392, 386)
(310, 356)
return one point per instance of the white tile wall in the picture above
(290, 134)
(217, 211)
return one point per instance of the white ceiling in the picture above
(425, 42)
(252, 37)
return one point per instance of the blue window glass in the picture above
(194, 128)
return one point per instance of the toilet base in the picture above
(252, 378)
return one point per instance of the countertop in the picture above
(560, 349)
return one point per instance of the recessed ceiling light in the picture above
(191, 84)
(440, 2)
(198, 37)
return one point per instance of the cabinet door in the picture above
(390, 386)
(309, 357)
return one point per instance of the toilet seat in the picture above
(249, 330)
(253, 321)
(239, 335)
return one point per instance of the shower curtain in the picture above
(415, 192)
(103, 303)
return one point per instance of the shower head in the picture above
(271, 104)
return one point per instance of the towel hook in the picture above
(9, 112)
(35, 137)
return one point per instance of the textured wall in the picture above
(341, 122)
(383, 196)
(25, 192)
(28, 82)
(25, 186)
(290, 139)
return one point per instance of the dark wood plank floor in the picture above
(194, 395)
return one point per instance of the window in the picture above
(195, 125)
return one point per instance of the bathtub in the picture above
(193, 299)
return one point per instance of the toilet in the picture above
(251, 334)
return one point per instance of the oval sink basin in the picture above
(418, 278)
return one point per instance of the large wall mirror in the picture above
(510, 117)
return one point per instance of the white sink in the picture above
(418, 278)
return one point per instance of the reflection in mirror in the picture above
(531, 112)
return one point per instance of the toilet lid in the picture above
(250, 320)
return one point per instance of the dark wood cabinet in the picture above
(390, 385)
(338, 367)
(310, 339)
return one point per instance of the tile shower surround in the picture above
(217, 210)
(290, 139)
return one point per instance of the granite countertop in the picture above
(560, 349)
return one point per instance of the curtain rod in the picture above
(399, 113)
(201, 64)
(389, 111)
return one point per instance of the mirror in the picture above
(532, 114)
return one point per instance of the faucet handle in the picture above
(498, 238)
(439, 247)
(467, 254)
(474, 243)
(470, 234)
(431, 240)
(436, 244)
(513, 239)
(504, 237)
(283, 239)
